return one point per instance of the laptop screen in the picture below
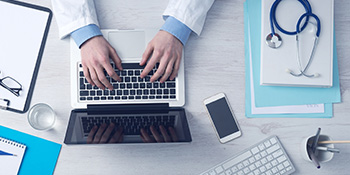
(128, 126)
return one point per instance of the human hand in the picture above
(103, 134)
(164, 137)
(165, 49)
(95, 54)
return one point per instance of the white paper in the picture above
(292, 109)
(9, 165)
(274, 62)
(22, 30)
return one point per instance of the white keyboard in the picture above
(267, 157)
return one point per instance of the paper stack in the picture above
(280, 101)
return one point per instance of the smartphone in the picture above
(222, 118)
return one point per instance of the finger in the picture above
(164, 133)
(159, 71)
(101, 76)
(95, 78)
(115, 58)
(145, 136)
(115, 138)
(176, 67)
(91, 134)
(147, 54)
(151, 63)
(169, 70)
(87, 75)
(173, 134)
(99, 133)
(110, 71)
(107, 133)
(156, 135)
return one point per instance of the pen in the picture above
(314, 143)
(3, 153)
(313, 157)
(324, 148)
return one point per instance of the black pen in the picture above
(314, 143)
(313, 157)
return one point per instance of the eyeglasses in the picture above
(11, 85)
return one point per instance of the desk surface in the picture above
(221, 46)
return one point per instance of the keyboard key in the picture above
(145, 91)
(135, 85)
(172, 91)
(162, 85)
(126, 92)
(139, 92)
(82, 98)
(172, 96)
(84, 93)
(142, 85)
(144, 97)
(119, 92)
(159, 91)
(166, 91)
(96, 98)
(138, 97)
(134, 79)
(219, 169)
(137, 72)
(124, 97)
(129, 85)
(156, 85)
(127, 79)
(89, 86)
(132, 92)
(170, 85)
(232, 162)
(122, 86)
(92, 93)
(89, 98)
(99, 93)
(103, 98)
(130, 72)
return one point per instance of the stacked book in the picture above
(266, 100)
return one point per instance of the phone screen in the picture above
(222, 117)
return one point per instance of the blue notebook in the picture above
(40, 156)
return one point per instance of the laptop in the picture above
(134, 103)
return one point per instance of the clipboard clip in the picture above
(4, 103)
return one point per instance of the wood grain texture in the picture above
(219, 47)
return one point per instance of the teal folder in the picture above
(278, 95)
(253, 17)
(40, 156)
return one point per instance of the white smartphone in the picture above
(222, 118)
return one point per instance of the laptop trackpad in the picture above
(128, 44)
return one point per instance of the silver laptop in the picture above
(135, 103)
(130, 45)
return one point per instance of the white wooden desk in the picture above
(220, 47)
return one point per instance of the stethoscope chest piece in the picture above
(273, 40)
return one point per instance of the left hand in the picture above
(165, 49)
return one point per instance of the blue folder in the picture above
(40, 156)
(278, 95)
(253, 17)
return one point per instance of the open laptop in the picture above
(134, 103)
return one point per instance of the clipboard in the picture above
(24, 33)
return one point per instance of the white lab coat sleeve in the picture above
(192, 13)
(73, 14)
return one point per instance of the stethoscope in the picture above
(275, 41)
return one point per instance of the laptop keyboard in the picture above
(132, 87)
(131, 124)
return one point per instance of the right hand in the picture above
(95, 54)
